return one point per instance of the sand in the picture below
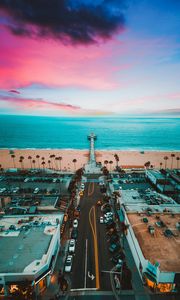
(127, 159)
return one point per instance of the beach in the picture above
(71, 160)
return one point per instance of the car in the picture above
(114, 238)
(74, 234)
(36, 190)
(108, 220)
(26, 179)
(111, 231)
(75, 223)
(118, 256)
(15, 190)
(54, 180)
(82, 185)
(114, 247)
(2, 190)
(68, 264)
(101, 220)
(78, 208)
(81, 193)
(108, 214)
(99, 202)
(72, 244)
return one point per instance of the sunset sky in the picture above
(84, 57)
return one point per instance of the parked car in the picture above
(36, 190)
(75, 223)
(114, 238)
(118, 256)
(74, 234)
(68, 264)
(114, 247)
(108, 214)
(101, 220)
(72, 244)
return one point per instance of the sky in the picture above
(84, 57)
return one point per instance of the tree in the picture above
(117, 160)
(49, 163)
(13, 157)
(177, 158)
(74, 161)
(56, 159)
(110, 162)
(172, 157)
(165, 159)
(21, 161)
(30, 158)
(161, 165)
(37, 156)
(106, 163)
(60, 159)
(147, 164)
(34, 163)
(43, 164)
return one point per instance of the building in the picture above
(156, 252)
(155, 176)
(29, 247)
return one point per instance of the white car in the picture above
(26, 179)
(72, 246)
(101, 220)
(75, 223)
(36, 190)
(108, 215)
(68, 264)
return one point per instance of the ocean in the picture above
(123, 133)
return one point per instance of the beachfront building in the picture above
(153, 235)
(155, 176)
(29, 248)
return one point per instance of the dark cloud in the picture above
(75, 21)
(14, 91)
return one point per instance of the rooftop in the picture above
(24, 248)
(156, 174)
(158, 247)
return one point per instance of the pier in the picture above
(92, 159)
(91, 166)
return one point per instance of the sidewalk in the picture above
(53, 288)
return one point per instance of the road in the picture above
(91, 256)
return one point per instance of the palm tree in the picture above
(165, 159)
(56, 159)
(60, 159)
(34, 163)
(37, 156)
(52, 156)
(106, 162)
(74, 161)
(161, 165)
(172, 157)
(43, 164)
(110, 162)
(13, 157)
(49, 163)
(21, 161)
(116, 159)
(177, 158)
(30, 158)
(147, 164)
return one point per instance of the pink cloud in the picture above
(25, 61)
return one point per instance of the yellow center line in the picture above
(91, 189)
(94, 232)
